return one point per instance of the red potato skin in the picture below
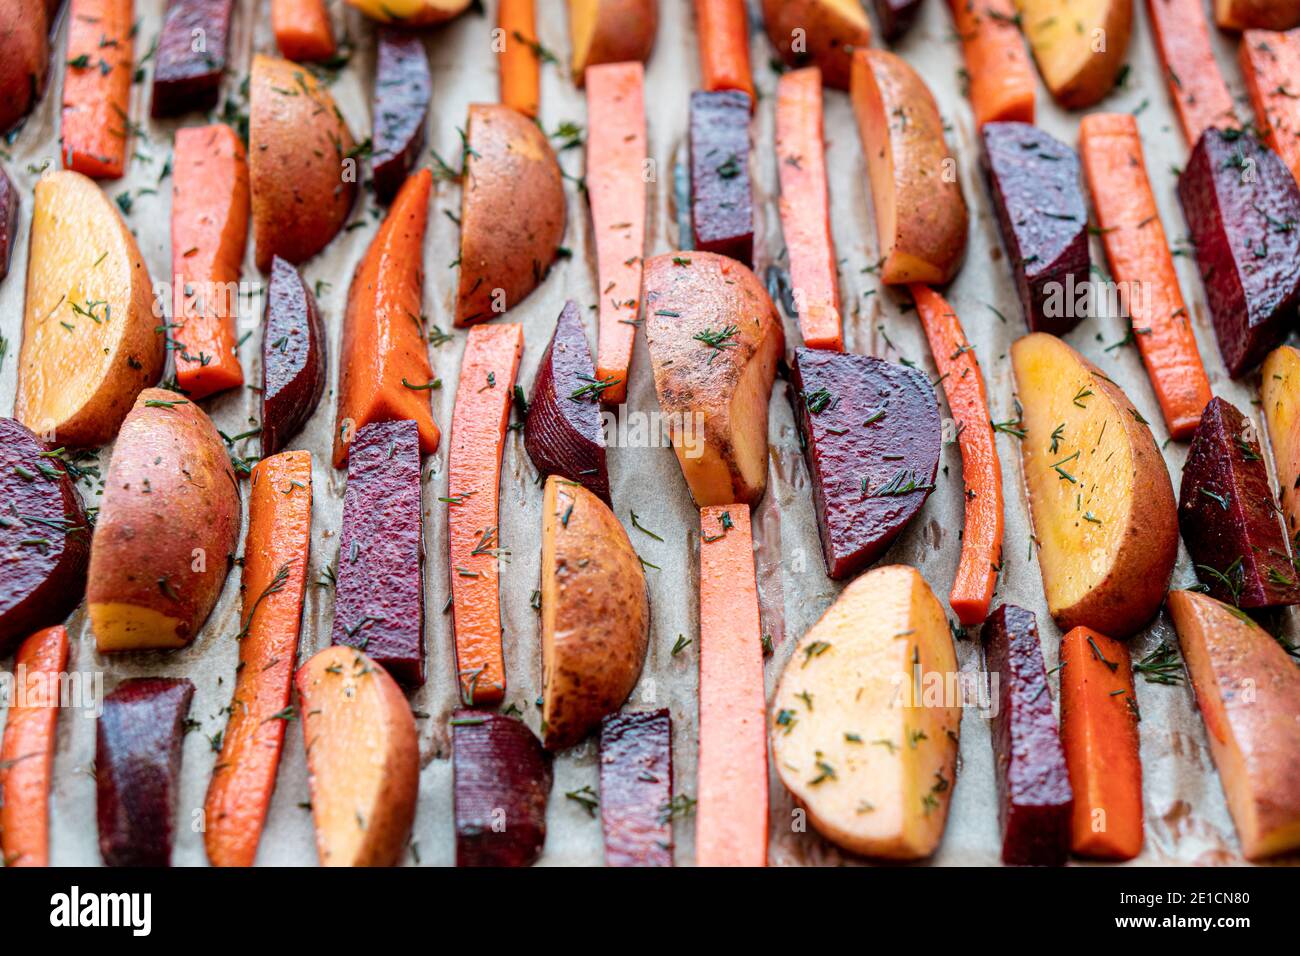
(722, 213)
(564, 435)
(1252, 296)
(636, 788)
(38, 587)
(1034, 797)
(841, 450)
(293, 357)
(137, 769)
(8, 221)
(1226, 512)
(498, 767)
(379, 595)
(402, 92)
(185, 80)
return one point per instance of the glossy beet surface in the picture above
(1036, 187)
(402, 90)
(563, 433)
(1228, 517)
(636, 788)
(186, 79)
(895, 16)
(722, 213)
(293, 357)
(44, 537)
(871, 435)
(502, 779)
(8, 221)
(137, 769)
(1243, 211)
(378, 600)
(1035, 801)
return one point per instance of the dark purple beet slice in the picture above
(563, 433)
(1228, 516)
(1034, 180)
(402, 91)
(636, 788)
(501, 782)
(871, 436)
(722, 214)
(1034, 796)
(8, 221)
(378, 598)
(896, 16)
(293, 357)
(185, 79)
(137, 769)
(1243, 210)
(44, 537)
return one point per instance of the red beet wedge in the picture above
(502, 779)
(137, 769)
(402, 91)
(8, 221)
(895, 16)
(293, 357)
(722, 204)
(636, 788)
(192, 53)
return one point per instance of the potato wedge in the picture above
(90, 339)
(921, 217)
(1248, 692)
(714, 339)
(595, 613)
(1256, 14)
(1079, 45)
(301, 163)
(24, 58)
(823, 32)
(411, 13)
(1279, 393)
(512, 212)
(168, 527)
(874, 769)
(611, 31)
(1099, 492)
(363, 758)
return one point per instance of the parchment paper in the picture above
(1187, 821)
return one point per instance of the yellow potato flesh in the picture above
(129, 627)
(411, 12)
(582, 27)
(1279, 391)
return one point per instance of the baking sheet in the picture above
(1187, 821)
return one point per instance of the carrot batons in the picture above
(478, 434)
(1099, 718)
(520, 66)
(302, 30)
(1140, 260)
(385, 372)
(1000, 78)
(96, 130)
(1182, 38)
(805, 208)
(1270, 62)
(616, 150)
(731, 817)
(275, 576)
(723, 29)
(27, 755)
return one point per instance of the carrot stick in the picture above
(275, 578)
(723, 28)
(302, 30)
(731, 816)
(1270, 62)
(96, 127)
(1099, 718)
(478, 434)
(385, 373)
(1182, 38)
(1001, 81)
(805, 208)
(616, 150)
(209, 231)
(981, 472)
(27, 755)
(1139, 258)
(520, 65)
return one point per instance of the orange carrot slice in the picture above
(1182, 37)
(385, 372)
(478, 434)
(1099, 718)
(1139, 258)
(616, 151)
(1270, 61)
(723, 28)
(981, 472)
(731, 816)
(27, 755)
(805, 208)
(1000, 78)
(209, 232)
(302, 30)
(275, 578)
(96, 128)
(520, 65)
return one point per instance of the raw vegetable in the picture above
(1279, 394)
(478, 435)
(1080, 45)
(500, 773)
(8, 221)
(411, 13)
(1263, 14)
(302, 30)
(1270, 62)
(1182, 39)
(24, 58)
(895, 16)
(187, 72)
(1001, 82)
(611, 31)
(96, 129)
(293, 357)
(518, 59)
(821, 32)
(722, 205)
(636, 788)
(402, 92)
(723, 30)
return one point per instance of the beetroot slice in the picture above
(186, 79)
(636, 788)
(896, 16)
(8, 221)
(137, 769)
(293, 357)
(501, 782)
(402, 91)
(722, 204)
(563, 433)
